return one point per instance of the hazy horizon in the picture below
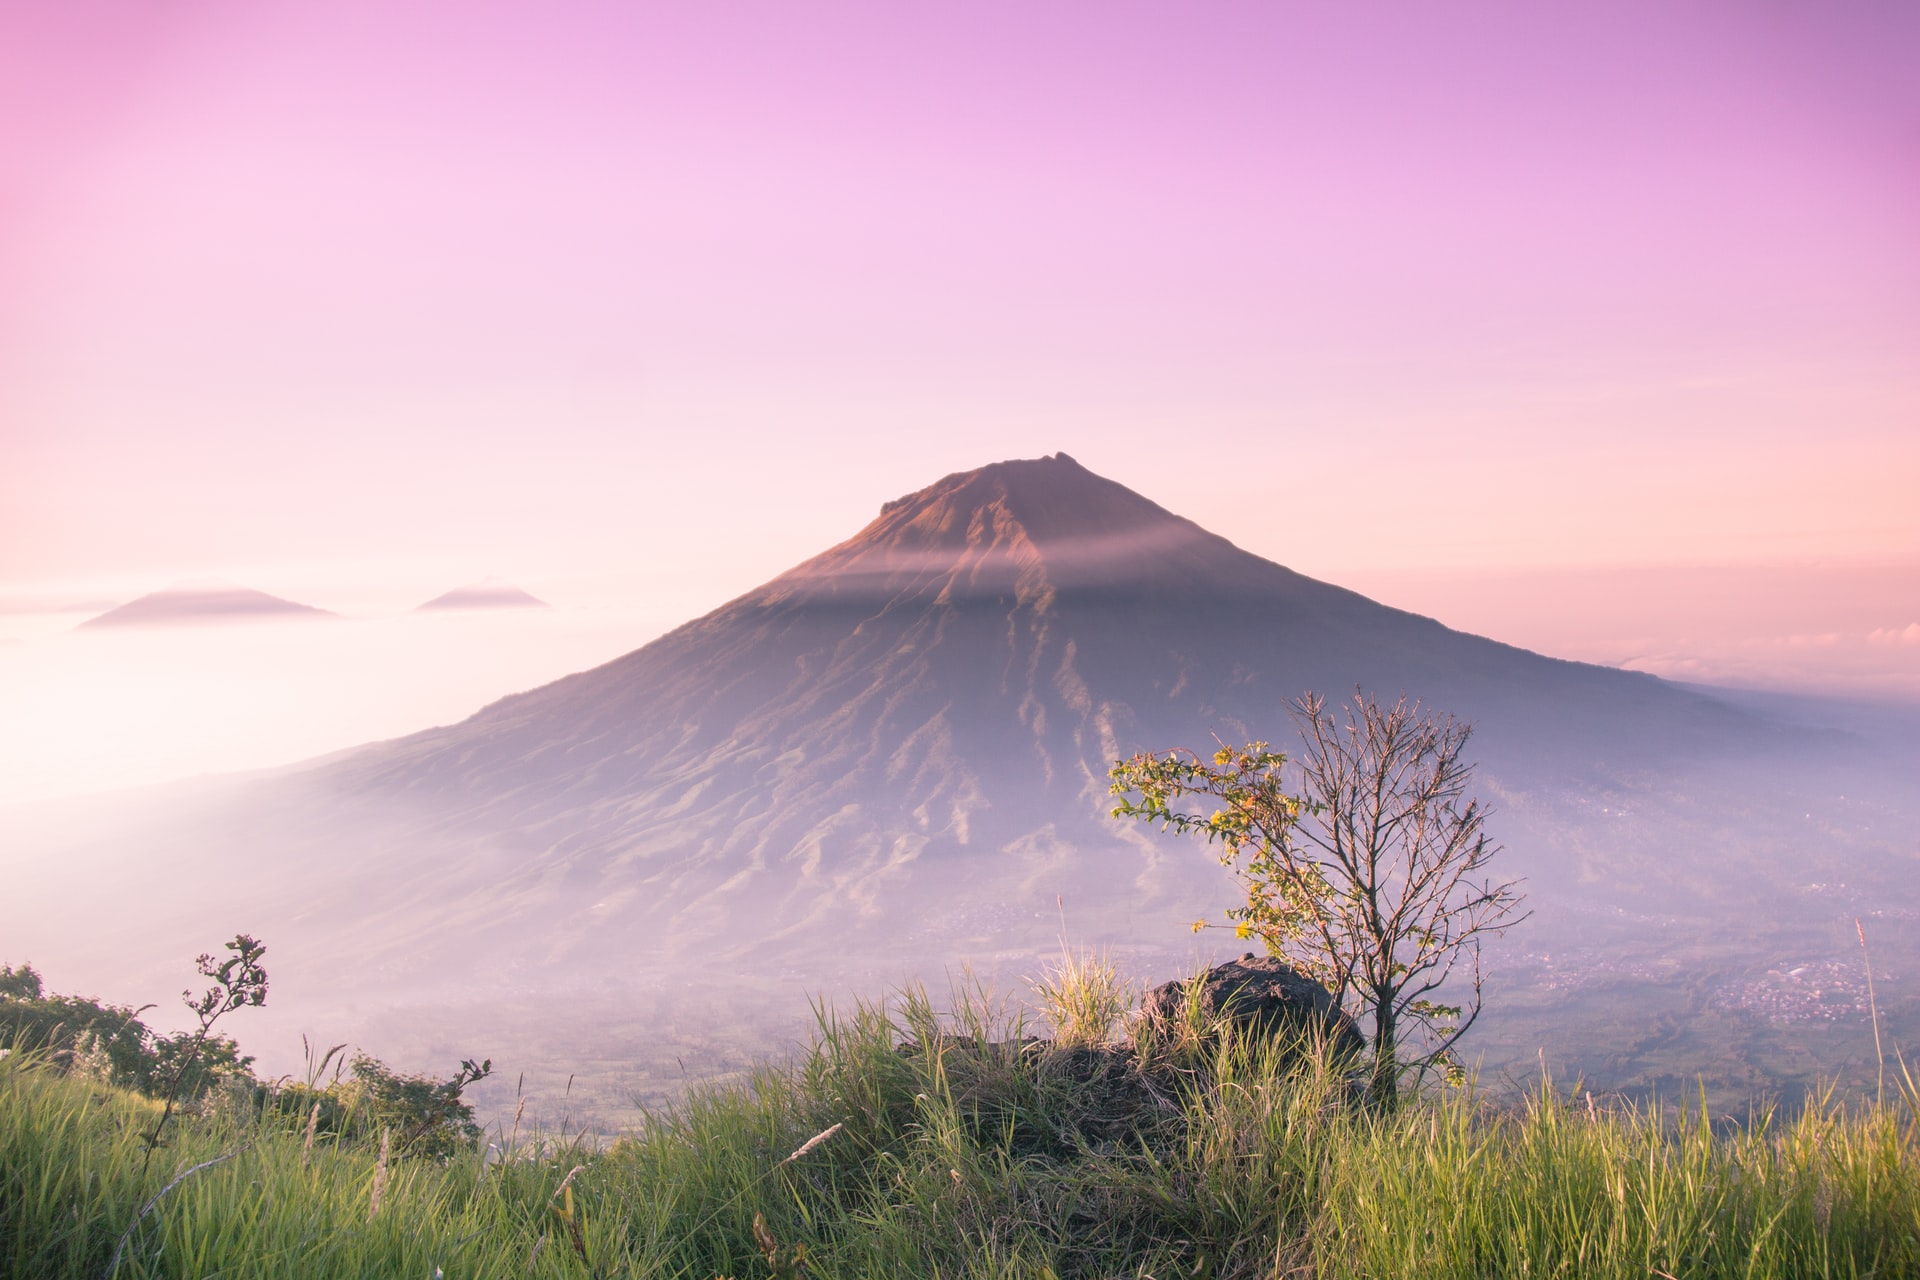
(91, 711)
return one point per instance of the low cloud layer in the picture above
(1843, 629)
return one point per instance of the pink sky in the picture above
(639, 304)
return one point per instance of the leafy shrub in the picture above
(110, 1039)
(19, 984)
(426, 1117)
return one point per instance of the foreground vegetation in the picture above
(971, 1152)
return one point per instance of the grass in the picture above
(964, 1148)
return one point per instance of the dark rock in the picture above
(1262, 996)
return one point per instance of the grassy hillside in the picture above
(974, 1153)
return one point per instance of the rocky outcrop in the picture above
(1259, 995)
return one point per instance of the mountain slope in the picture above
(929, 709)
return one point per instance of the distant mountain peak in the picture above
(489, 593)
(203, 601)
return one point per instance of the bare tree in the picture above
(1374, 881)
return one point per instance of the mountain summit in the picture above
(1012, 524)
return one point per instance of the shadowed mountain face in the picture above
(193, 603)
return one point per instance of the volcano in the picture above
(917, 725)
